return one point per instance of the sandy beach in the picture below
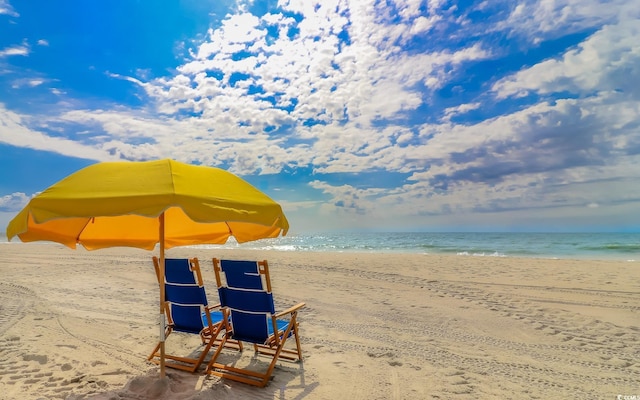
(78, 325)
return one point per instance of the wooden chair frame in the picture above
(272, 347)
(208, 335)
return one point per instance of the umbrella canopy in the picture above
(141, 204)
(119, 204)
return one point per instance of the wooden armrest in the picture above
(290, 310)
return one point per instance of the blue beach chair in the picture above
(246, 298)
(187, 310)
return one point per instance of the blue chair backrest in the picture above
(242, 274)
(251, 311)
(186, 298)
(178, 270)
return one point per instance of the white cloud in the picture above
(423, 24)
(13, 202)
(14, 131)
(460, 109)
(607, 60)
(19, 50)
(313, 68)
(27, 82)
(328, 85)
(541, 20)
(7, 9)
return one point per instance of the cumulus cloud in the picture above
(351, 87)
(7, 9)
(327, 83)
(460, 109)
(14, 131)
(305, 94)
(18, 50)
(540, 20)
(13, 202)
(606, 61)
(27, 82)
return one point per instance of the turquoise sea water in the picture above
(617, 246)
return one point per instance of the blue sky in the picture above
(354, 115)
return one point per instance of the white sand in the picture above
(79, 325)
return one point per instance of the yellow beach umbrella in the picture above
(141, 204)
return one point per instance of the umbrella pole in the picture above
(162, 297)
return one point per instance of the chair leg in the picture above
(153, 353)
(203, 354)
(277, 353)
(214, 357)
(287, 354)
(167, 332)
(298, 347)
(182, 363)
(248, 376)
(186, 363)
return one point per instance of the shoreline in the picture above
(228, 247)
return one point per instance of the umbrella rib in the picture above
(90, 219)
(229, 229)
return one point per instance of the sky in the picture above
(361, 115)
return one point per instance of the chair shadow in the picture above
(287, 381)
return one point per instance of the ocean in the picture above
(598, 246)
(595, 246)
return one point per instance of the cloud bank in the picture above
(427, 91)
